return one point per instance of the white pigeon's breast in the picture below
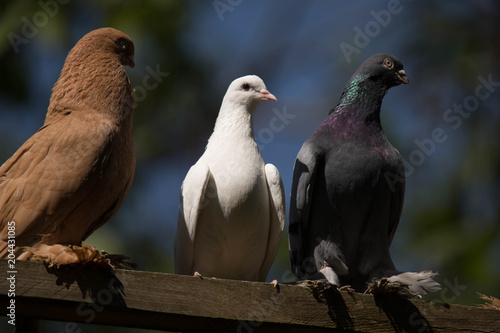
(234, 225)
(239, 179)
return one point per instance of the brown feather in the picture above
(491, 302)
(73, 174)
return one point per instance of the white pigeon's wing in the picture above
(277, 218)
(304, 177)
(192, 200)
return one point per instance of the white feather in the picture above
(232, 205)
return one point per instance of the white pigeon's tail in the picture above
(420, 283)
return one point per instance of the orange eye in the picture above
(388, 62)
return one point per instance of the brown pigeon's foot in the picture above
(385, 287)
(58, 254)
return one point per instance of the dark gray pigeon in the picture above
(348, 189)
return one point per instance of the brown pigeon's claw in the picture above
(57, 255)
(120, 261)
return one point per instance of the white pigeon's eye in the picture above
(245, 87)
(388, 63)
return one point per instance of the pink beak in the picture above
(266, 95)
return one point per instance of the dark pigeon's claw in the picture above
(385, 287)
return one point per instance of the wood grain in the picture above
(190, 304)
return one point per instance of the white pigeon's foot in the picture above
(198, 275)
(274, 283)
(347, 288)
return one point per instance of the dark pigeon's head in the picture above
(384, 67)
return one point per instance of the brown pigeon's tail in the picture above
(3, 249)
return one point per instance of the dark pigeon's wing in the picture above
(397, 200)
(304, 177)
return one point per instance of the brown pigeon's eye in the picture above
(388, 63)
(245, 86)
(122, 43)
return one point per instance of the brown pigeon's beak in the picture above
(131, 62)
(402, 77)
(266, 95)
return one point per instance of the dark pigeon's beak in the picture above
(402, 77)
(266, 95)
(131, 62)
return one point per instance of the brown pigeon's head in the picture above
(94, 75)
(111, 41)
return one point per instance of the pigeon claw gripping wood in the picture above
(60, 255)
(232, 209)
(343, 210)
(73, 174)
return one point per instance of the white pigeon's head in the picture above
(248, 91)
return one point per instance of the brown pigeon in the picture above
(73, 174)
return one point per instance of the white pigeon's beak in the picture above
(266, 95)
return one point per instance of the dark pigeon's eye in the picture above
(245, 86)
(388, 63)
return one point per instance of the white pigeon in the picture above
(232, 210)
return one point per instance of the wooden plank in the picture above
(191, 304)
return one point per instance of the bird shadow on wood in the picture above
(97, 283)
(403, 315)
(327, 293)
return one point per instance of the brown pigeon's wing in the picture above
(48, 177)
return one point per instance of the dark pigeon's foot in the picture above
(319, 279)
(491, 302)
(383, 286)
